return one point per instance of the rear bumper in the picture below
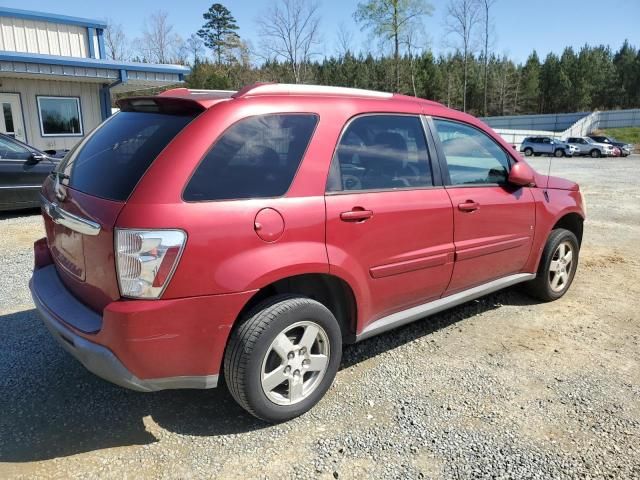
(141, 345)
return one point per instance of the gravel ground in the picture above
(502, 387)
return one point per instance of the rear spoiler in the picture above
(166, 105)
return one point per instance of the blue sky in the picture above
(520, 26)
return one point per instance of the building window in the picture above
(60, 116)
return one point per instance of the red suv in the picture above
(197, 234)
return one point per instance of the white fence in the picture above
(619, 118)
(516, 128)
(549, 122)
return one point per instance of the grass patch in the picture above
(626, 134)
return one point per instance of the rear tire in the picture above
(595, 153)
(528, 152)
(282, 358)
(557, 267)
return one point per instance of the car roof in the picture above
(194, 101)
(208, 98)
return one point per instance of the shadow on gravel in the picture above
(50, 406)
(359, 352)
(19, 213)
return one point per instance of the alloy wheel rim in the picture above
(295, 363)
(561, 267)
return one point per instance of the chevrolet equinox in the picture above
(197, 235)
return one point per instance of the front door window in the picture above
(472, 157)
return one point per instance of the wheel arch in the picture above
(573, 222)
(330, 290)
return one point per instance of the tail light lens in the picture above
(146, 260)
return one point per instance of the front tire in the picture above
(283, 357)
(559, 152)
(528, 152)
(595, 153)
(557, 266)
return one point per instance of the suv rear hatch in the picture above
(83, 197)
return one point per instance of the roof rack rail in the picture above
(261, 89)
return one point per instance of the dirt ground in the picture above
(502, 387)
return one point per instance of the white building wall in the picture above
(33, 36)
(30, 89)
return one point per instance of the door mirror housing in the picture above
(36, 157)
(522, 175)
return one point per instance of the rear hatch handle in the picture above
(69, 220)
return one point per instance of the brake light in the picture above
(146, 260)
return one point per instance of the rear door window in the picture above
(257, 157)
(381, 152)
(111, 160)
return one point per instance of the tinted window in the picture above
(472, 157)
(109, 162)
(255, 158)
(381, 152)
(12, 150)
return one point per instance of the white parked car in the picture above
(588, 146)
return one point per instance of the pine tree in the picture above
(219, 31)
(530, 85)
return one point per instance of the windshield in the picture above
(111, 160)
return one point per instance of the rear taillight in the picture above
(146, 260)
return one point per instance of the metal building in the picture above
(55, 80)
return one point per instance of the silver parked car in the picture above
(546, 146)
(587, 146)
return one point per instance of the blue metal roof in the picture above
(92, 62)
(51, 17)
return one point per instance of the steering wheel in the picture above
(351, 182)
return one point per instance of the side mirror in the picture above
(522, 175)
(36, 157)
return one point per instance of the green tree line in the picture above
(592, 78)
(469, 76)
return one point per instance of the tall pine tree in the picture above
(219, 31)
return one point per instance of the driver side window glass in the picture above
(13, 151)
(381, 152)
(472, 156)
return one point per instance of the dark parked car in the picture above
(625, 148)
(22, 171)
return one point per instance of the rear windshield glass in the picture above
(111, 160)
(255, 158)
